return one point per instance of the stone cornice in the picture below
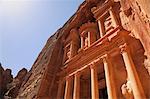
(95, 51)
(90, 26)
(98, 11)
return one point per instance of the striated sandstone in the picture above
(102, 51)
(98, 27)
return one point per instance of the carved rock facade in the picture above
(103, 51)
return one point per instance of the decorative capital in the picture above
(104, 58)
(68, 78)
(78, 73)
(123, 48)
(92, 65)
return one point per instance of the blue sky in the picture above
(25, 26)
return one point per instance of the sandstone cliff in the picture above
(42, 82)
(9, 86)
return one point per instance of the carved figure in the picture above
(86, 42)
(68, 54)
(127, 90)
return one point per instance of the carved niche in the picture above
(88, 33)
(71, 45)
(106, 18)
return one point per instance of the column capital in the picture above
(105, 57)
(92, 65)
(69, 77)
(110, 8)
(78, 73)
(123, 48)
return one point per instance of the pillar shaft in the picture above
(76, 94)
(94, 82)
(113, 17)
(89, 38)
(101, 28)
(60, 90)
(71, 49)
(109, 75)
(138, 91)
(68, 88)
(82, 42)
(64, 57)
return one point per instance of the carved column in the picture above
(113, 17)
(82, 42)
(64, 57)
(76, 94)
(68, 88)
(101, 27)
(89, 38)
(94, 82)
(74, 36)
(138, 91)
(73, 49)
(109, 75)
(60, 90)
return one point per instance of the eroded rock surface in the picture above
(14, 86)
(5, 79)
(9, 86)
(109, 16)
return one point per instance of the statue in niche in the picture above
(127, 90)
(86, 42)
(68, 54)
(108, 24)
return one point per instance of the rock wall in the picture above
(9, 86)
(33, 84)
(132, 16)
(43, 78)
(42, 82)
(135, 17)
(5, 79)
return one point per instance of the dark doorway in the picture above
(103, 93)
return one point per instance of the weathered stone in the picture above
(106, 42)
(1, 81)
(21, 74)
(98, 27)
(5, 79)
(14, 86)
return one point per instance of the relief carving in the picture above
(127, 90)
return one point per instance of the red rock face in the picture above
(65, 51)
(8, 76)
(1, 80)
(15, 85)
(5, 79)
(21, 74)
(9, 86)
(99, 31)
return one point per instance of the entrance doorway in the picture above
(103, 93)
